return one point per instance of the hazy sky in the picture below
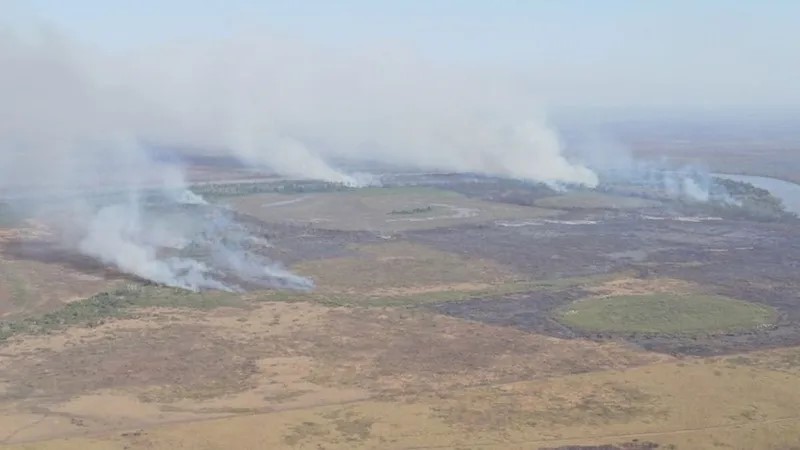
(585, 53)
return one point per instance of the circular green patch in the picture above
(665, 313)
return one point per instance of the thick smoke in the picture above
(116, 236)
(288, 107)
(70, 151)
(294, 108)
(73, 123)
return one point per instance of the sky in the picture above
(706, 53)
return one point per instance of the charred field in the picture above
(447, 311)
(756, 262)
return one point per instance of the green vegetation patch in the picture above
(665, 313)
(94, 310)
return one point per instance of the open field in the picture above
(380, 209)
(437, 332)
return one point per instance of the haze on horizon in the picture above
(710, 54)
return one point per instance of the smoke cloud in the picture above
(71, 150)
(75, 121)
(293, 108)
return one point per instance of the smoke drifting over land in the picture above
(74, 121)
(293, 108)
(80, 132)
(275, 104)
(613, 162)
(71, 152)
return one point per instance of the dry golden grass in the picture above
(396, 352)
(724, 406)
(169, 365)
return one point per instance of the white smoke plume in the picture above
(66, 136)
(289, 107)
(116, 235)
(73, 120)
(293, 108)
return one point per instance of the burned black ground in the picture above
(747, 260)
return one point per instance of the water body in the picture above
(787, 191)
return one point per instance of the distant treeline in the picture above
(412, 211)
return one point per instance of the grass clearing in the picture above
(665, 313)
